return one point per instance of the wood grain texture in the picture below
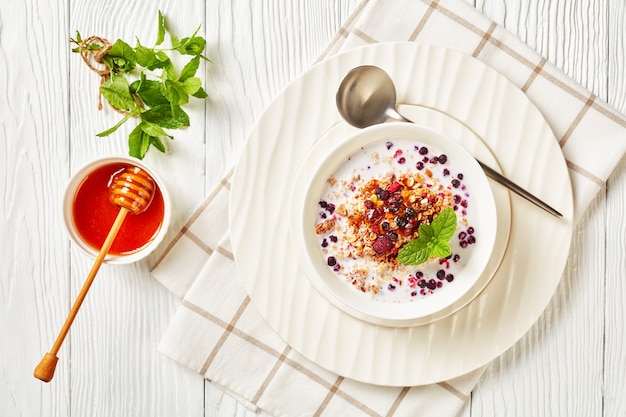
(571, 363)
(615, 307)
(34, 268)
(115, 367)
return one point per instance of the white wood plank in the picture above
(115, 367)
(34, 265)
(615, 309)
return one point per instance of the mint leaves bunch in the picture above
(141, 82)
(433, 240)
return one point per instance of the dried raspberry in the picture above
(382, 245)
(394, 186)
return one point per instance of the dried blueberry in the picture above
(385, 226)
(410, 213)
(443, 158)
(384, 195)
(332, 261)
(456, 183)
(419, 165)
(441, 274)
(401, 221)
(423, 150)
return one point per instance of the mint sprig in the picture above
(433, 240)
(143, 84)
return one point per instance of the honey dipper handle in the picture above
(45, 370)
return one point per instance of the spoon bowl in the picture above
(367, 97)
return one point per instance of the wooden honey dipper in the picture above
(131, 190)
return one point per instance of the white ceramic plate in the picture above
(448, 126)
(512, 128)
(309, 186)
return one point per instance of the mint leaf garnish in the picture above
(433, 240)
(415, 252)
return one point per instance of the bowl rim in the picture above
(313, 175)
(68, 199)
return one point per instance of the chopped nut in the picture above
(325, 226)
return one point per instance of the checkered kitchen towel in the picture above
(218, 333)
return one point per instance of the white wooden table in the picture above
(571, 363)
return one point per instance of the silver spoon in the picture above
(367, 96)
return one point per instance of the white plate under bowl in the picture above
(363, 305)
(513, 129)
(455, 129)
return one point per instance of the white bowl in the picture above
(407, 309)
(75, 182)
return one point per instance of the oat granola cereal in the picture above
(374, 204)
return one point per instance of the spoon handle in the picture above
(499, 178)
